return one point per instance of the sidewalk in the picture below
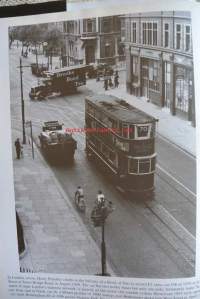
(173, 128)
(58, 241)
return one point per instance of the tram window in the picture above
(131, 132)
(153, 129)
(105, 150)
(133, 165)
(153, 164)
(125, 130)
(112, 157)
(144, 166)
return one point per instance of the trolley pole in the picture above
(22, 103)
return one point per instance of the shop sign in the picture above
(167, 57)
(183, 60)
(150, 54)
(134, 51)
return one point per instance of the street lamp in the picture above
(22, 101)
(98, 217)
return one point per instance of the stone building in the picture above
(159, 59)
(95, 40)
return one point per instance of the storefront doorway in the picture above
(89, 54)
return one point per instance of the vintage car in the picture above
(56, 143)
(39, 92)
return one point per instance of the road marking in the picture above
(173, 178)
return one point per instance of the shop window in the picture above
(153, 75)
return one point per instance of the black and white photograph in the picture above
(104, 149)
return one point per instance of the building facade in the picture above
(95, 40)
(159, 59)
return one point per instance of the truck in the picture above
(61, 81)
(56, 143)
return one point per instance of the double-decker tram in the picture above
(122, 139)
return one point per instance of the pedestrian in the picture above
(116, 79)
(18, 148)
(110, 82)
(106, 83)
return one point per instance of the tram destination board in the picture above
(127, 150)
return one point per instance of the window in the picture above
(144, 166)
(107, 50)
(134, 32)
(131, 131)
(155, 35)
(89, 25)
(166, 35)
(154, 75)
(133, 165)
(107, 25)
(149, 30)
(187, 38)
(149, 33)
(135, 68)
(141, 165)
(125, 130)
(178, 36)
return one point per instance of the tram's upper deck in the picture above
(120, 109)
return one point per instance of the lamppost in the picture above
(98, 217)
(22, 101)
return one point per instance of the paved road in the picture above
(139, 243)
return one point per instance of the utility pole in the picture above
(98, 217)
(22, 101)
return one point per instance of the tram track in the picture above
(181, 241)
(179, 238)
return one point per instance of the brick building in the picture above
(95, 40)
(159, 59)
